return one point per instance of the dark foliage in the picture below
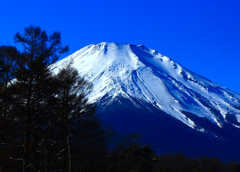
(179, 162)
(43, 114)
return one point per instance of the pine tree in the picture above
(32, 89)
(8, 55)
(77, 120)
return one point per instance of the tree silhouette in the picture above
(31, 88)
(76, 119)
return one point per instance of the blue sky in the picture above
(202, 35)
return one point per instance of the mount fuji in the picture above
(138, 89)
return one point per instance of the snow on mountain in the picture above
(142, 73)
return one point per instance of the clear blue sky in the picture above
(202, 35)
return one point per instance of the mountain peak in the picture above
(145, 74)
(139, 90)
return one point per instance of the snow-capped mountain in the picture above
(142, 73)
(140, 77)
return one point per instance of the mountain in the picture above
(137, 89)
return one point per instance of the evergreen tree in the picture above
(8, 55)
(77, 120)
(32, 89)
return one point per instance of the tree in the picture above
(9, 132)
(134, 158)
(8, 55)
(76, 119)
(32, 89)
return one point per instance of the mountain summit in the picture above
(142, 73)
(162, 94)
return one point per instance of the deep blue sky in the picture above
(202, 35)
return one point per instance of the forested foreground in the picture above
(47, 123)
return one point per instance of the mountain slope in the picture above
(137, 77)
